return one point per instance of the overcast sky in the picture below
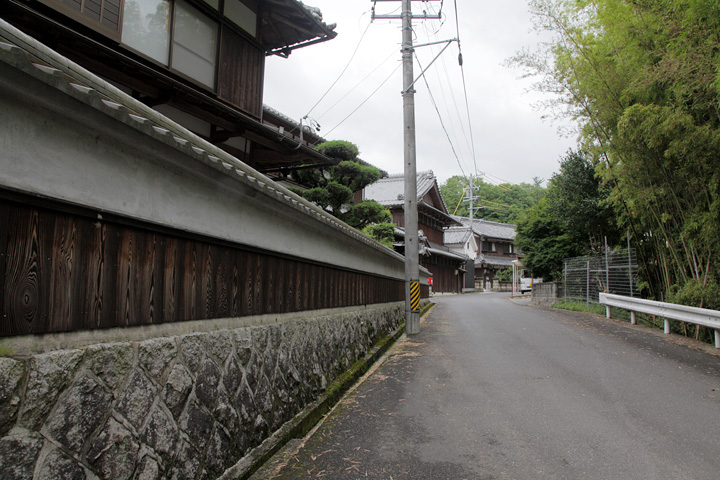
(512, 142)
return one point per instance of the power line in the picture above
(442, 124)
(357, 47)
(358, 84)
(462, 70)
(365, 101)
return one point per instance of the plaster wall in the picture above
(58, 147)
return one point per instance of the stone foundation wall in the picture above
(184, 406)
(546, 293)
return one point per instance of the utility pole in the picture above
(412, 270)
(412, 250)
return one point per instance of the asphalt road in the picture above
(496, 389)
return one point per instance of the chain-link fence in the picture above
(615, 272)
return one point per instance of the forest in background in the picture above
(504, 203)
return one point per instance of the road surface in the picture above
(496, 389)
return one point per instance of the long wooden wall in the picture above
(63, 271)
(445, 278)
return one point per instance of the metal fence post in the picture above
(607, 268)
(629, 263)
(587, 284)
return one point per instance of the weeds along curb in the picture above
(304, 421)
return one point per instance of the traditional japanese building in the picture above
(201, 63)
(496, 249)
(447, 267)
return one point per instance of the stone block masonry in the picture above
(187, 405)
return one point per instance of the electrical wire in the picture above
(462, 197)
(352, 57)
(462, 71)
(496, 203)
(365, 101)
(358, 84)
(442, 123)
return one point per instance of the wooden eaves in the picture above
(153, 86)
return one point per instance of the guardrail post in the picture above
(607, 311)
(717, 338)
(667, 325)
(632, 319)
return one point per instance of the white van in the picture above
(526, 283)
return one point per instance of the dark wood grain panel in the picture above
(223, 282)
(111, 306)
(236, 293)
(4, 234)
(240, 72)
(258, 293)
(22, 295)
(64, 272)
(64, 279)
(190, 281)
(207, 289)
(172, 283)
(267, 274)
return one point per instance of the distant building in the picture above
(495, 247)
(447, 266)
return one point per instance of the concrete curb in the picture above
(304, 421)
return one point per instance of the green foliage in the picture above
(641, 79)
(382, 232)
(504, 275)
(572, 219)
(339, 149)
(332, 188)
(367, 212)
(579, 200)
(695, 294)
(355, 175)
(581, 307)
(500, 203)
(545, 241)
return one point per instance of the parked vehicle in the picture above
(526, 283)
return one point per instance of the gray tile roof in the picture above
(495, 261)
(486, 228)
(456, 235)
(389, 191)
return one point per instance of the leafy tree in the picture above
(382, 232)
(545, 241)
(572, 219)
(332, 188)
(580, 201)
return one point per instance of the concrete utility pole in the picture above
(412, 273)
(412, 250)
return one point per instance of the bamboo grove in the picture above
(640, 79)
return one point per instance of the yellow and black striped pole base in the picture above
(415, 296)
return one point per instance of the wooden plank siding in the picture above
(101, 15)
(63, 271)
(241, 72)
(443, 273)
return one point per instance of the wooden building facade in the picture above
(447, 267)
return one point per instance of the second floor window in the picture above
(175, 34)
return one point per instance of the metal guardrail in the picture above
(669, 311)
